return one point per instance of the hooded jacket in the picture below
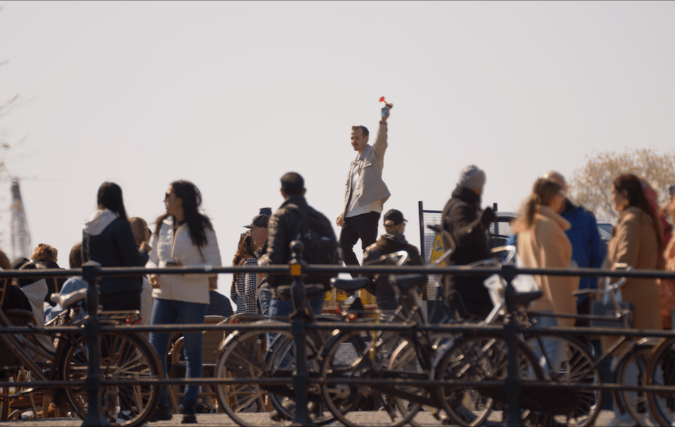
(461, 218)
(169, 245)
(387, 244)
(108, 240)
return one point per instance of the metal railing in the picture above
(93, 328)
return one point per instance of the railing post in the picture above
(299, 297)
(511, 338)
(92, 328)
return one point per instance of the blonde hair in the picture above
(543, 192)
(45, 253)
(139, 227)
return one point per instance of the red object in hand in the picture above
(382, 100)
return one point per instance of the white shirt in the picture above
(354, 208)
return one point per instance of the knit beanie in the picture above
(472, 178)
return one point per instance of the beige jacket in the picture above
(545, 245)
(370, 163)
(635, 243)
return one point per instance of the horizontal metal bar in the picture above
(348, 381)
(284, 269)
(349, 326)
(41, 384)
(557, 330)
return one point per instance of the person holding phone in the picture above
(365, 191)
(183, 237)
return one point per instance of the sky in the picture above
(233, 95)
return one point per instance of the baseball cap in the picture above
(395, 216)
(259, 221)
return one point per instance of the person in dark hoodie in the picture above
(468, 226)
(107, 239)
(393, 241)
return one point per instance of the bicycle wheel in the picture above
(124, 356)
(352, 356)
(631, 370)
(281, 361)
(405, 355)
(568, 360)
(479, 358)
(243, 357)
(661, 372)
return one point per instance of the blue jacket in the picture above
(588, 250)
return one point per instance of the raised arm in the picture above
(380, 145)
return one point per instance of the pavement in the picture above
(258, 419)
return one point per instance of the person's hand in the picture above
(340, 220)
(154, 280)
(175, 262)
(487, 217)
(384, 117)
(146, 247)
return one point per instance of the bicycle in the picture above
(246, 355)
(576, 365)
(124, 355)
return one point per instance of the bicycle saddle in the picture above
(524, 298)
(409, 281)
(67, 300)
(312, 291)
(350, 285)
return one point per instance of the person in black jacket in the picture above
(468, 226)
(393, 241)
(107, 239)
(282, 229)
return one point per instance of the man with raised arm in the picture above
(365, 191)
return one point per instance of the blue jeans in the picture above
(280, 308)
(553, 348)
(169, 312)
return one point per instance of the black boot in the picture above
(189, 414)
(162, 413)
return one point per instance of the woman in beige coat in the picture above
(637, 240)
(542, 243)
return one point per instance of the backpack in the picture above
(321, 247)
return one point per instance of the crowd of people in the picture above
(550, 232)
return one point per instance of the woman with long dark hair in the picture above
(245, 283)
(107, 239)
(637, 240)
(183, 237)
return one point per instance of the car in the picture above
(501, 230)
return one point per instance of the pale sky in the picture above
(233, 95)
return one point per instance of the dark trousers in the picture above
(120, 301)
(362, 227)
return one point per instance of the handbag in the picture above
(213, 280)
(607, 308)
